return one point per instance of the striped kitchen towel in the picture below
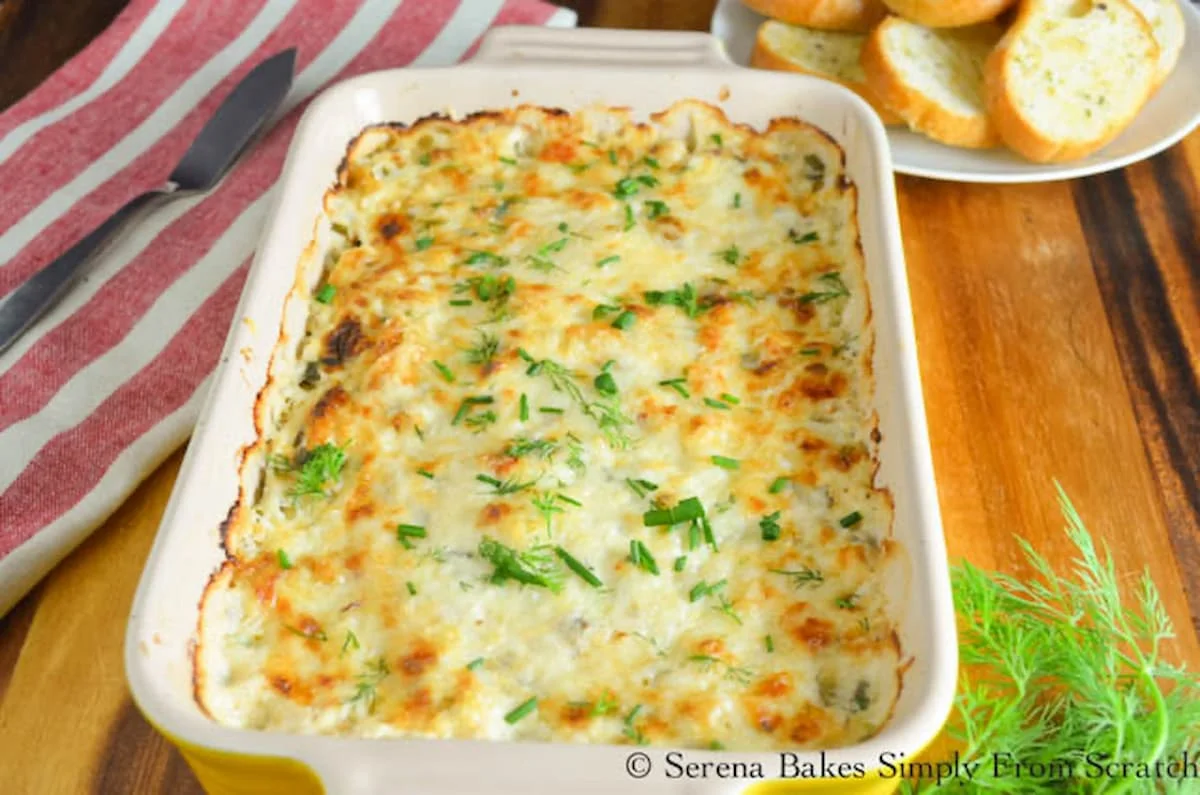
(109, 383)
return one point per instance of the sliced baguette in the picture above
(1069, 76)
(857, 16)
(833, 55)
(948, 13)
(1166, 19)
(933, 78)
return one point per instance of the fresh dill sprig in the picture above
(321, 468)
(502, 487)
(547, 505)
(532, 567)
(801, 577)
(523, 446)
(366, 689)
(485, 350)
(605, 412)
(731, 672)
(1062, 668)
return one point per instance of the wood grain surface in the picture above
(1059, 337)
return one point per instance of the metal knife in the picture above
(243, 114)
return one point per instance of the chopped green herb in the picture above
(742, 676)
(814, 170)
(284, 561)
(412, 589)
(624, 320)
(606, 413)
(694, 532)
(445, 371)
(778, 485)
(737, 200)
(524, 408)
(485, 350)
(810, 351)
(625, 188)
(731, 255)
(508, 160)
(709, 538)
(365, 691)
(680, 563)
(641, 557)
(550, 410)
(574, 565)
(650, 161)
(479, 422)
(569, 500)
(521, 447)
(649, 180)
(630, 221)
(678, 384)
(326, 293)
(475, 664)
(703, 589)
(406, 531)
(308, 633)
(322, 465)
(423, 243)
(351, 642)
(521, 711)
(641, 487)
(425, 473)
(685, 511)
(685, 298)
(487, 258)
(799, 239)
(605, 384)
(547, 505)
(510, 486)
(716, 138)
(657, 208)
(631, 731)
(612, 156)
(850, 519)
(608, 261)
(836, 288)
(770, 644)
(770, 527)
(730, 399)
(602, 310)
(534, 567)
(716, 404)
(800, 577)
(848, 602)
(425, 159)
(467, 404)
(726, 463)
(461, 302)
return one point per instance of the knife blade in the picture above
(242, 115)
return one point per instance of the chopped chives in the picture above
(810, 352)
(770, 527)
(550, 410)
(680, 562)
(630, 222)
(465, 407)
(284, 561)
(424, 243)
(574, 565)
(778, 485)
(326, 293)
(737, 200)
(475, 664)
(521, 711)
(608, 261)
(425, 473)
(709, 538)
(524, 354)
(524, 407)
(411, 531)
(716, 404)
(412, 589)
(641, 557)
(605, 384)
(624, 320)
(641, 487)
(569, 501)
(508, 160)
(694, 536)
(703, 589)
(730, 399)
(770, 644)
(850, 519)
(612, 156)
(445, 371)
(726, 463)
(678, 385)
(461, 302)
(688, 509)
(650, 161)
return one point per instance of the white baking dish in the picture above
(646, 71)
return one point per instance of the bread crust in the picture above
(857, 16)
(948, 13)
(917, 110)
(764, 57)
(1015, 129)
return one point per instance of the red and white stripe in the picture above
(108, 383)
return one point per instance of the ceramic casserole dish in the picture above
(646, 72)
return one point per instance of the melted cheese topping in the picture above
(543, 344)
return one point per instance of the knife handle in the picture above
(44, 289)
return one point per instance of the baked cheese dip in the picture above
(577, 445)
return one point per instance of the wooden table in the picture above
(1059, 335)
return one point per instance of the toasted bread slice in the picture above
(857, 16)
(1166, 19)
(948, 13)
(933, 78)
(1069, 76)
(830, 54)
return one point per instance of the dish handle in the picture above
(601, 47)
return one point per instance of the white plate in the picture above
(1169, 116)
